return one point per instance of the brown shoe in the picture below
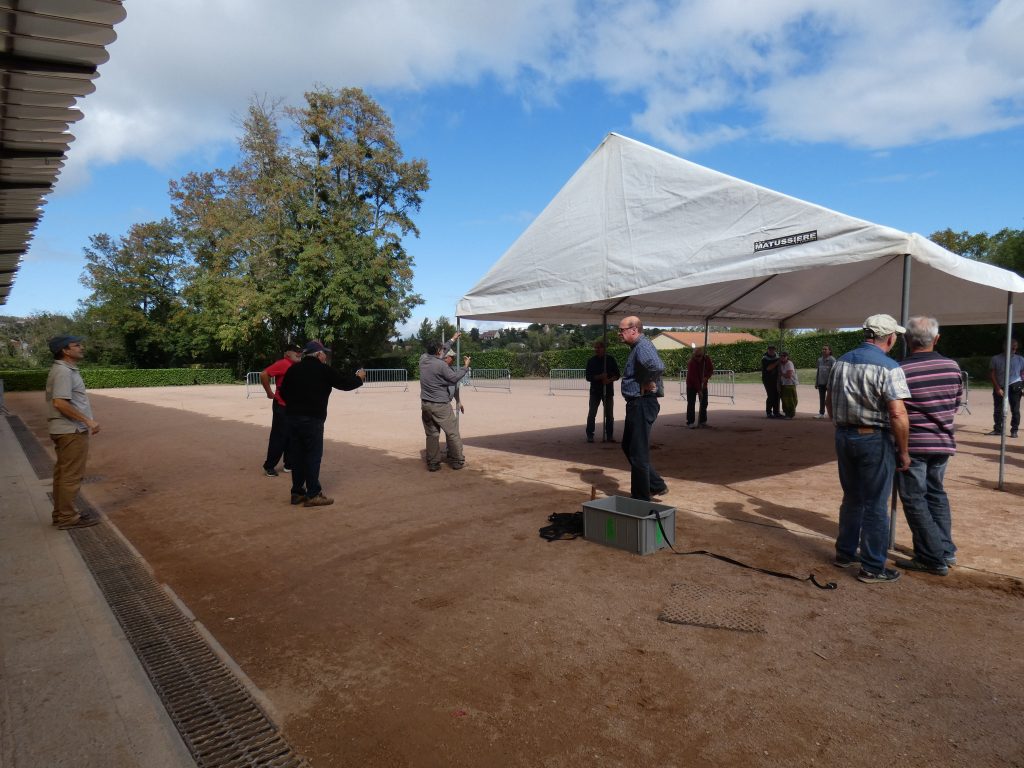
(318, 501)
(80, 522)
(298, 498)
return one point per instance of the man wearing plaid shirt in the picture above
(865, 398)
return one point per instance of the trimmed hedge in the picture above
(742, 357)
(115, 378)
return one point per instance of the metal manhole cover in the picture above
(715, 607)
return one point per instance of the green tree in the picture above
(443, 329)
(1006, 249)
(240, 229)
(963, 243)
(425, 334)
(24, 338)
(134, 283)
(353, 276)
(303, 238)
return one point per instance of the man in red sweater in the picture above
(698, 374)
(278, 445)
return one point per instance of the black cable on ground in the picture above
(779, 574)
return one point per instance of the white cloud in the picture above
(870, 73)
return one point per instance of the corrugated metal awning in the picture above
(50, 53)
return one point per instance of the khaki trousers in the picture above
(72, 451)
(437, 418)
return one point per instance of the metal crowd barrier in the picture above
(567, 380)
(966, 395)
(379, 378)
(252, 383)
(489, 378)
(722, 384)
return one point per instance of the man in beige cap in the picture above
(864, 398)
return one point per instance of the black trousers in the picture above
(603, 395)
(691, 404)
(773, 398)
(997, 407)
(279, 444)
(641, 413)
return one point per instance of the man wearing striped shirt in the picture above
(935, 392)
(865, 398)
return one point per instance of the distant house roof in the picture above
(680, 339)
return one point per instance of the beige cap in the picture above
(883, 325)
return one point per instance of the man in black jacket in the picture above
(305, 391)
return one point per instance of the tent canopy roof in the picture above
(637, 231)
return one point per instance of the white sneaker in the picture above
(821, 416)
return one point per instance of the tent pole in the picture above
(1006, 387)
(904, 316)
(905, 308)
(458, 358)
(706, 333)
(604, 339)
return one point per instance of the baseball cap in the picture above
(883, 325)
(312, 347)
(450, 353)
(57, 343)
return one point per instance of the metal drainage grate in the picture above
(715, 607)
(37, 456)
(219, 721)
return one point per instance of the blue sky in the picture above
(911, 117)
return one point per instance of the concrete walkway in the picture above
(72, 692)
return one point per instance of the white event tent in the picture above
(637, 231)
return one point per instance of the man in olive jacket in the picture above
(435, 409)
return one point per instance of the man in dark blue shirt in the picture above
(641, 388)
(602, 372)
(305, 391)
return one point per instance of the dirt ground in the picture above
(421, 620)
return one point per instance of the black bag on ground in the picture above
(564, 525)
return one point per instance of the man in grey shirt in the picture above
(436, 376)
(69, 422)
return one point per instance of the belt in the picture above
(859, 429)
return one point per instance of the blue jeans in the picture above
(927, 508)
(603, 395)
(641, 413)
(866, 465)
(307, 446)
